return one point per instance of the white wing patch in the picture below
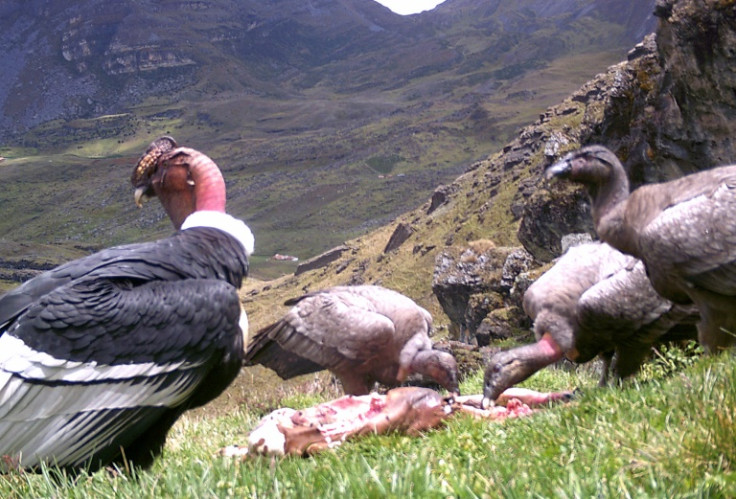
(244, 325)
(63, 440)
(62, 412)
(17, 357)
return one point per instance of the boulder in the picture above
(402, 232)
(321, 260)
(476, 282)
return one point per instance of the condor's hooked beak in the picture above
(560, 169)
(146, 167)
(140, 196)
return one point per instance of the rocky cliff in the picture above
(667, 111)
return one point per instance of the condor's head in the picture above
(183, 179)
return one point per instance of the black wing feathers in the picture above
(107, 351)
(194, 253)
(111, 324)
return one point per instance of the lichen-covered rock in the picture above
(475, 282)
(549, 216)
(495, 326)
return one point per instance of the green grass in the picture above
(670, 435)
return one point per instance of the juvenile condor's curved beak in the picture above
(560, 169)
(509, 367)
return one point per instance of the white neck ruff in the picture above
(225, 223)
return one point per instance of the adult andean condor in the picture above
(100, 356)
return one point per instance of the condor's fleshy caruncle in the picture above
(100, 356)
(594, 300)
(362, 334)
(683, 230)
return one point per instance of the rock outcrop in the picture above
(476, 285)
(400, 235)
(321, 260)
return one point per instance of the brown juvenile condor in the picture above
(362, 334)
(100, 356)
(594, 300)
(683, 230)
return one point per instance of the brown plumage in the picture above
(683, 230)
(594, 300)
(363, 334)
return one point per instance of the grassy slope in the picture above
(403, 269)
(665, 436)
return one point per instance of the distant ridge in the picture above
(85, 58)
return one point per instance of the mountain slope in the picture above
(328, 117)
(88, 57)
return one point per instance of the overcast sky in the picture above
(409, 6)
